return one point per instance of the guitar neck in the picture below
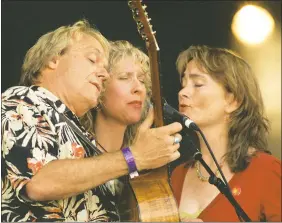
(156, 86)
(156, 202)
(147, 34)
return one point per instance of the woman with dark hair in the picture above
(221, 95)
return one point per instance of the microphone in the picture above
(173, 114)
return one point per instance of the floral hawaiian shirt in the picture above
(34, 134)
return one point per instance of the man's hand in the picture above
(155, 147)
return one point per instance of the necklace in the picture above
(200, 175)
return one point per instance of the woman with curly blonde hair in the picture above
(124, 104)
(122, 107)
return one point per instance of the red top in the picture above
(257, 189)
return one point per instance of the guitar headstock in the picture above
(142, 20)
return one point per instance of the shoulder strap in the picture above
(80, 134)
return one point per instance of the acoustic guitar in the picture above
(152, 199)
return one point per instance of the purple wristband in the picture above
(130, 162)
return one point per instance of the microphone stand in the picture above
(222, 188)
(171, 114)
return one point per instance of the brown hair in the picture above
(248, 126)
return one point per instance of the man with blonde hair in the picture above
(51, 170)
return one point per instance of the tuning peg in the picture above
(130, 4)
(135, 12)
(144, 6)
(154, 32)
(140, 25)
(143, 35)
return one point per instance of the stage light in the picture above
(252, 24)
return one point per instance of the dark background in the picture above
(178, 24)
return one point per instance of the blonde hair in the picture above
(248, 126)
(119, 50)
(53, 44)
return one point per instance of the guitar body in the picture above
(149, 197)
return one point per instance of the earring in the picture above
(226, 118)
